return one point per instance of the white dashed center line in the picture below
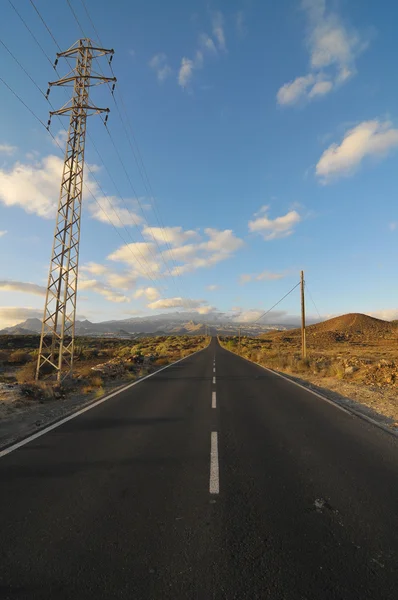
(213, 400)
(214, 486)
(214, 380)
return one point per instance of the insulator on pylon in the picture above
(113, 88)
(49, 123)
(111, 58)
(47, 93)
(105, 120)
(55, 63)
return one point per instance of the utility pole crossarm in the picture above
(58, 328)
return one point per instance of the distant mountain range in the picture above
(176, 323)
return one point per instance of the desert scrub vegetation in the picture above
(99, 363)
(371, 363)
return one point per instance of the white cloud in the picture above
(320, 89)
(205, 310)
(34, 187)
(60, 138)
(221, 241)
(212, 287)
(219, 245)
(370, 138)
(177, 302)
(150, 293)
(113, 281)
(141, 258)
(108, 209)
(94, 285)
(206, 42)
(22, 287)
(389, 314)
(7, 149)
(218, 29)
(241, 28)
(3, 232)
(169, 235)
(94, 268)
(159, 64)
(329, 41)
(124, 281)
(245, 278)
(292, 92)
(12, 315)
(206, 46)
(185, 72)
(333, 49)
(247, 316)
(279, 227)
(265, 275)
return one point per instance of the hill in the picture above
(349, 327)
(175, 323)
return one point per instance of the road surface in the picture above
(212, 479)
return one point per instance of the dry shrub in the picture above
(84, 371)
(3, 356)
(89, 389)
(19, 357)
(336, 370)
(39, 390)
(161, 361)
(96, 381)
(302, 364)
(27, 373)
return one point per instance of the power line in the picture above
(124, 167)
(141, 169)
(45, 25)
(22, 67)
(76, 19)
(31, 32)
(85, 185)
(90, 170)
(22, 102)
(276, 304)
(91, 21)
(315, 306)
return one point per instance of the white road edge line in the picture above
(34, 436)
(214, 380)
(214, 486)
(348, 411)
(213, 400)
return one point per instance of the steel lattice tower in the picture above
(58, 328)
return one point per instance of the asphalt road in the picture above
(167, 491)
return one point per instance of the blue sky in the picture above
(270, 137)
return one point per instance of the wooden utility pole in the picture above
(303, 340)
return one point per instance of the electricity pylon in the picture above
(58, 328)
